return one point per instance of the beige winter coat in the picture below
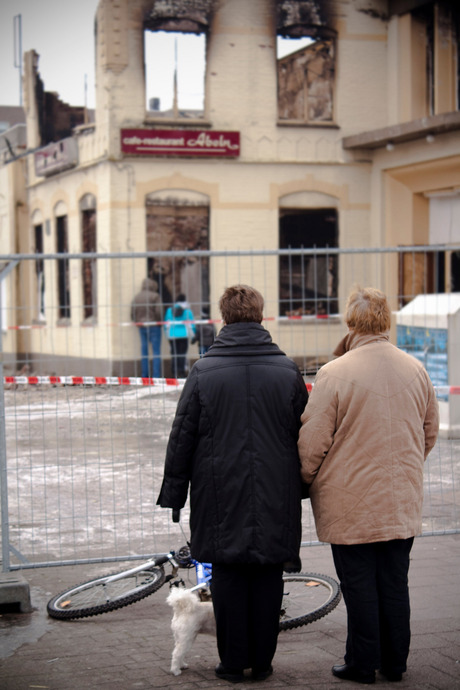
(370, 422)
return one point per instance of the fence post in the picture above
(4, 271)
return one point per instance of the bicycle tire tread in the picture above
(318, 613)
(62, 614)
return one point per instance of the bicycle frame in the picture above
(158, 559)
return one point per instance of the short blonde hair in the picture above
(367, 311)
(241, 303)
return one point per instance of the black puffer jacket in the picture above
(234, 439)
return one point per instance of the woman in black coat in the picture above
(234, 440)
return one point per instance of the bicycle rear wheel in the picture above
(100, 595)
(307, 597)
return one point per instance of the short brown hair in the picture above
(241, 303)
(367, 311)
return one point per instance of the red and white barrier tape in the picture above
(91, 381)
(137, 381)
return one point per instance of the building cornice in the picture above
(405, 131)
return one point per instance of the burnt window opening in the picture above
(306, 69)
(308, 284)
(63, 273)
(179, 227)
(89, 265)
(175, 66)
(39, 272)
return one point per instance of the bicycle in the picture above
(307, 596)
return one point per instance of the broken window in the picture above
(63, 274)
(179, 224)
(308, 283)
(89, 266)
(39, 272)
(306, 61)
(175, 63)
(305, 80)
(174, 74)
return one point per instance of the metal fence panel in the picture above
(85, 439)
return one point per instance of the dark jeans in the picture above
(152, 335)
(247, 602)
(374, 581)
(179, 347)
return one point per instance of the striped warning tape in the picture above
(91, 381)
(138, 381)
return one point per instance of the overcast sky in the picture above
(62, 33)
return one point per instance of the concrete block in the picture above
(15, 590)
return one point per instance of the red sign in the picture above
(180, 142)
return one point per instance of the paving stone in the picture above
(130, 649)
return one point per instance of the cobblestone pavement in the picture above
(131, 648)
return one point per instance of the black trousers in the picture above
(374, 581)
(179, 348)
(247, 602)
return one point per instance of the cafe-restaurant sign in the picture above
(180, 142)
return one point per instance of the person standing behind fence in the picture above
(146, 308)
(179, 327)
(370, 422)
(234, 440)
(205, 333)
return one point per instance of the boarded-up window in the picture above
(306, 83)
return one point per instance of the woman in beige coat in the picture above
(371, 420)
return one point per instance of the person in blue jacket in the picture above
(179, 327)
(234, 442)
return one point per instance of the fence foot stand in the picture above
(15, 590)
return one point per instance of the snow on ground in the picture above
(85, 464)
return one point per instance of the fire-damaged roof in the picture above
(191, 16)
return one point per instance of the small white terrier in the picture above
(191, 616)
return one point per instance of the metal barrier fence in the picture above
(84, 438)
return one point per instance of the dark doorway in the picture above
(308, 283)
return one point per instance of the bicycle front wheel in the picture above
(307, 597)
(100, 595)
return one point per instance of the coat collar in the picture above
(353, 340)
(243, 339)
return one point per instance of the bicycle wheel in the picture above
(101, 595)
(307, 597)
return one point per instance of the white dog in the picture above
(191, 616)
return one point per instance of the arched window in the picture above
(89, 265)
(37, 225)
(179, 219)
(308, 283)
(63, 271)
